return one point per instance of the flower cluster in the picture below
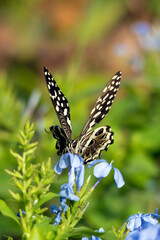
(76, 170)
(143, 227)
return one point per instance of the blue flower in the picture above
(67, 192)
(62, 208)
(139, 221)
(102, 169)
(23, 212)
(151, 232)
(54, 209)
(73, 160)
(101, 230)
(147, 35)
(57, 219)
(76, 168)
(141, 28)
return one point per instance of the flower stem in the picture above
(97, 182)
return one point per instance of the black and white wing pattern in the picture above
(60, 103)
(90, 144)
(103, 103)
(94, 142)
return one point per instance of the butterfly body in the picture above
(90, 144)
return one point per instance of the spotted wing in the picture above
(103, 103)
(59, 102)
(92, 143)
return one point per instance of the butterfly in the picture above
(90, 144)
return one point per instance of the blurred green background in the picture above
(84, 43)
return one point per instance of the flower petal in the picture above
(91, 164)
(63, 162)
(102, 169)
(80, 177)
(101, 230)
(133, 235)
(149, 219)
(57, 219)
(67, 192)
(71, 177)
(131, 224)
(118, 178)
(75, 160)
(152, 232)
(63, 206)
(57, 169)
(54, 209)
(138, 222)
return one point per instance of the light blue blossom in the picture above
(141, 28)
(66, 159)
(57, 219)
(139, 221)
(101, 230)
(148, 35)
(61, 164)
(76, 168)
(151, 232)
(67, 192)
(62, 208)
(102, 169)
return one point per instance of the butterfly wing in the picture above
(92, 143)
(103, 103)
(59, 102)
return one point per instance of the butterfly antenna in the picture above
(47, 131)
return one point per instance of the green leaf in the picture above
(15, 173)
(46, 198)
(16, 196)
(7, 237)
(36, 234)
(43, 231)
(23, 136)
(84, 231)
(6, 211)
(32, 145)
(18, 184)
(16, 155)
(20, 140)
(30, 151)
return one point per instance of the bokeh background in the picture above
(84, 43)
